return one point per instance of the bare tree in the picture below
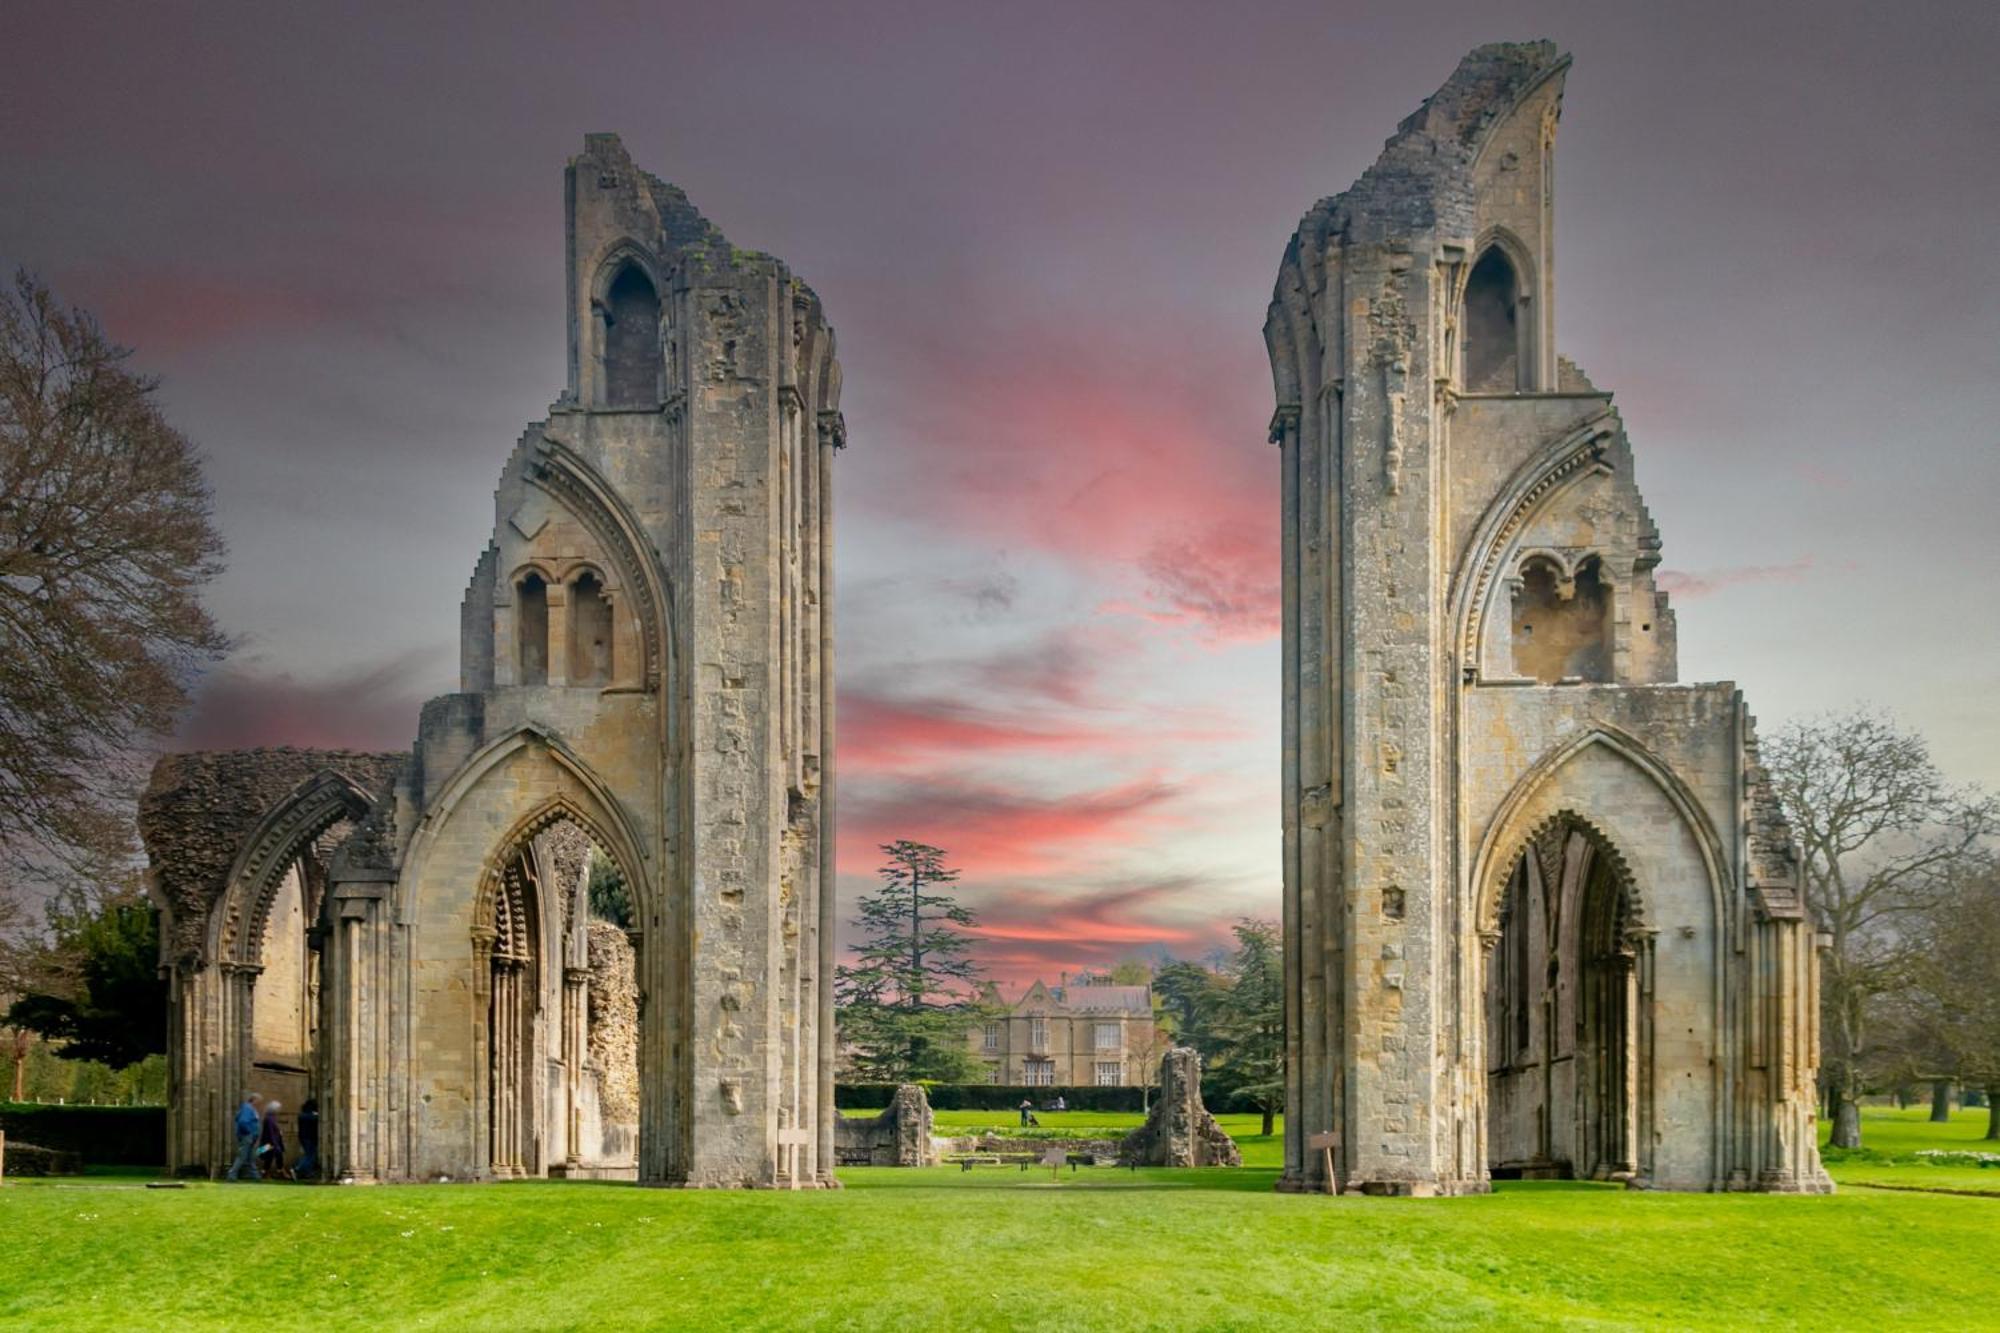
(1882, 835)
(1955, 975)
(106, 540)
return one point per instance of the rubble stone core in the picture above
(1541, 910)
(901, 1136)
(645, 671)
(1179, 1131)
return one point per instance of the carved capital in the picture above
(1284, 422)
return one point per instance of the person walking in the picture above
(249, 1128)
(308, 1163)
(1027, 1111)
(272, 1140)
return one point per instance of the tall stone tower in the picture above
(1541, 911)
(643, 736)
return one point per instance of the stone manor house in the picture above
(1088, 1035)
(1541, 911)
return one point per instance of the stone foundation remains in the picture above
(1179, 1131)
(900, 1136)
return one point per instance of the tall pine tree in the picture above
(906, 1004)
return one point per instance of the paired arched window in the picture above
(1492, 325)
(587, 657)
(631, 315)
(1562, 625)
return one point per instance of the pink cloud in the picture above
(993, 831)
(371, 708)
(882, 735)
(1084, 452)
(178, 309)
(1687, 586)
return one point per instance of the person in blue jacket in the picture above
(249, 1130)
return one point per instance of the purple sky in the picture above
(1046, 235)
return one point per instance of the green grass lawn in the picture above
(991, 1248)
(1891, 1140)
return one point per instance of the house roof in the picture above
(1089, 999)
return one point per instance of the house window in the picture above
(1038, 1033)
(1109, 1073)
(1041, 1073)
(1107, 1037)
(993, 1071)
(992, 1037)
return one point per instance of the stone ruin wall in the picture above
(614, 1039)
(1179, 1131)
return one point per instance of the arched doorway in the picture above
(281, 1028)
(267, 939)
(554, 953)
(1563, 1002)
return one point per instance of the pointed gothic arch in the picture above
(1534, 486)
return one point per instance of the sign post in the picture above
(1053, 1159)
(1326, 1144)
(789, 1143)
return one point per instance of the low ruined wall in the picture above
(900, 1136)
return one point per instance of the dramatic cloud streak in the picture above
(369, 708)
(1047, 236)
(1688, 586)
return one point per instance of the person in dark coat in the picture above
(308, 1164)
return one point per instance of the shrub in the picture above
(101, 1135)
(27, 1159)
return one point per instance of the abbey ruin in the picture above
(1541, 910)
(580, 928)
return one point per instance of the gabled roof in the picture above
(1088, 999)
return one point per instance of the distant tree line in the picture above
(1899, 871)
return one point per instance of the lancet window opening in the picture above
(531, 629)
(630, 315)
(1495, 325)
(590, 631)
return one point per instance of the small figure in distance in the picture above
(308, 1163)
(248, 1130)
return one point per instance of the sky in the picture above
(1046, 235)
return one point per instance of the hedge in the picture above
(992, 1097)
(102, 1135)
